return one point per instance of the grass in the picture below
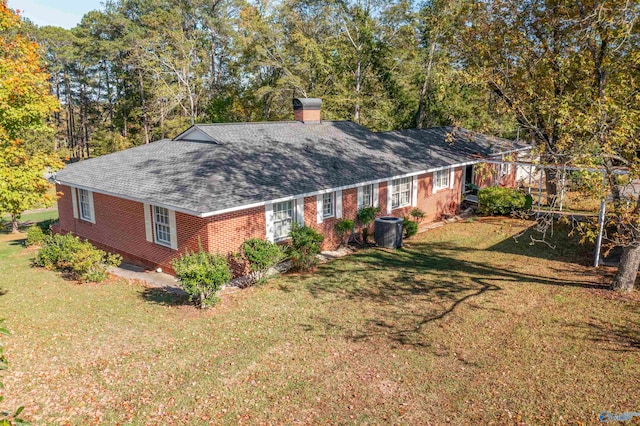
(464, 326)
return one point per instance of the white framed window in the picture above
(400, 192)
(505, 169)
(85, 205)
(328, 205)
(283, 218)
(441, 179)
(367, 196)
(161, 226)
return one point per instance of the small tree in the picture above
(202, 275)
(305, 247)
(364, 217)
(417, 214)
(344, 228)
(409, 227)
(261, 255)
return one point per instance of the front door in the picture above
(468, 179)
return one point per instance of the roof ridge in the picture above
(244, 123)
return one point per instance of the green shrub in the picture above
(261, 255)
(305, 246)
(364, 217)
(79, 258)
(417, 214)
(409, 227)
(500, 201)
(35, 236)
(202, 275)
(344, 228)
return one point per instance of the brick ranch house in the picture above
(220, 184)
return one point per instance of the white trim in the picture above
(148, 233)
(299, 210)
(361, 196)
(376, 190)
(92, 209)
(74, 202)
(338, 204)
(452, 177)
(268, 221)
(319, 208)
(389, 189)
(173, 230)
(414, 191)
(194, 133)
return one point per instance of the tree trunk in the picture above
(551, 185)
(627, 269)
(422, 113)
(14, 223)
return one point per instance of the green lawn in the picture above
(463, 326)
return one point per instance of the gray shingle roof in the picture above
(250, 163)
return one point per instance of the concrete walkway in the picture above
(159, 280)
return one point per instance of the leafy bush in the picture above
(79, 258)
(417, 214)
(261, 255)
(305, 246)
(409, 227)
(500, 201)
(364, 217)
(35, 236)
(202, 275)
(344, 228)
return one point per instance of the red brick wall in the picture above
(227, 231)
(120, 225)
(120, 228)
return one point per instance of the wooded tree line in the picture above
(141, 70)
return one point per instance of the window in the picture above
(367, 196)
(441, 179)
(400, 192)
(327, 205)
(162, 226)
(282, 219)
(505, 169)
(86, 208)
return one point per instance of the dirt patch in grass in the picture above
(464, 326)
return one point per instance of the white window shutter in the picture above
(173, 229)
(268, 221)
(389, 190)
(74, 202)
(414, 192)
(92, 210)
(375, 194)
(452, 176)
(147, 222)
(300, 211)
(339, 204)
(360, 196)
(319, 210)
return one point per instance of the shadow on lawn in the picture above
(407, 289)
(561, 247)
(164, 297)
(624, 337)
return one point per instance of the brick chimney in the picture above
(307, 110)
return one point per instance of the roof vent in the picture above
(307, 110)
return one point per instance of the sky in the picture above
(61, 13)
